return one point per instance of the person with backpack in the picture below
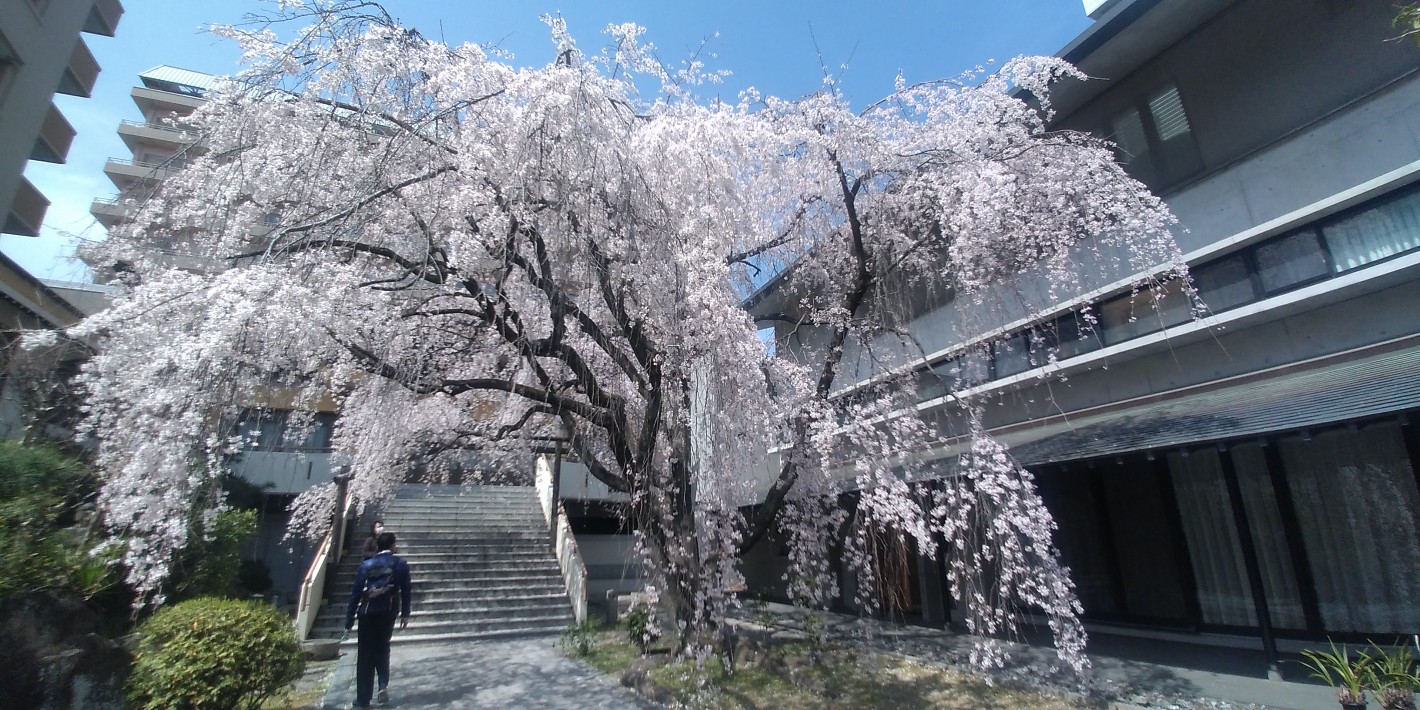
(380, 595)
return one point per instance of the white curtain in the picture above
(1357, 506)
(1279, 581)
(1290, 260)
(1381, 231)
(1223, 593)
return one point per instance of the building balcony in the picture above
(127, 173)
(112, 211)
(158, 102)
(103, 17)
(55, 137)
(80, 74)
(26, 211)
(167, 136)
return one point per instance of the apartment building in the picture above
(42, 52)
(287, 451)
(1251, 477)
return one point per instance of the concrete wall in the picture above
(578, 484)
(1293, 117)
(1262, 69)
(611, 565)
(287, 559)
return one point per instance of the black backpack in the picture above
(380, 593)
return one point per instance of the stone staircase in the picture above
(480, 559)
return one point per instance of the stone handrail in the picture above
(569, 557)
(313, 584)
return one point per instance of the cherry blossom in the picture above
(469, 256)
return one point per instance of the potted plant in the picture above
(1393, 676)
(1337, 669)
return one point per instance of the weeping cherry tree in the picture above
(466, 256)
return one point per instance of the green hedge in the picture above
(214, 653)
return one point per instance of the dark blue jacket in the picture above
(401, 585)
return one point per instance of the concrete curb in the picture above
(341, 679)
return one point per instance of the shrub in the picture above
(43, 495)
(253, 577)
(212, 560)
(214, 653)
(579, 637)
(641, 628)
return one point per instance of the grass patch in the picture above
(308, 692)
(612, 653)
(804, 676)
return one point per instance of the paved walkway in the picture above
(533, 673)
(515, 673)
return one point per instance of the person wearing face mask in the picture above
(372, 546)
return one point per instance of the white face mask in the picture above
(379, 529)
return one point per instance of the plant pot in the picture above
(1354, 706)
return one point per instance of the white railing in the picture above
(569, 558)
(313, 584)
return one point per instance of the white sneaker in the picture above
(382, 697)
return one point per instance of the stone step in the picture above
(475, 596)
(468, 578)
(414, 491)
(440, 522)
(467, 599)
(422, 627)
(479, 547)
(481, 560)
(473, 524)
(473, 589)
(483, 554)
(466, 610)
(521, 504)
(408, 636)
(471, 535)
(544, 564)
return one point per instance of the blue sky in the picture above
(772, 45)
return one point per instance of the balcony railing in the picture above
(186, 133)
(145, 163)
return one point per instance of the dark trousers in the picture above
(372, 654)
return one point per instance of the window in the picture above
(1154, 139)
(1073, 334)
(1384, 230)
(9, 67)
(1020, 352)
(1225, 283)
(1149, 310)
(1291, 260)
(972, 369)
(283, 430)
(930, 385)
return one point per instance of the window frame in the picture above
(1159, 172)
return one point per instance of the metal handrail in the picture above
(145, 163)
(178, 128)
